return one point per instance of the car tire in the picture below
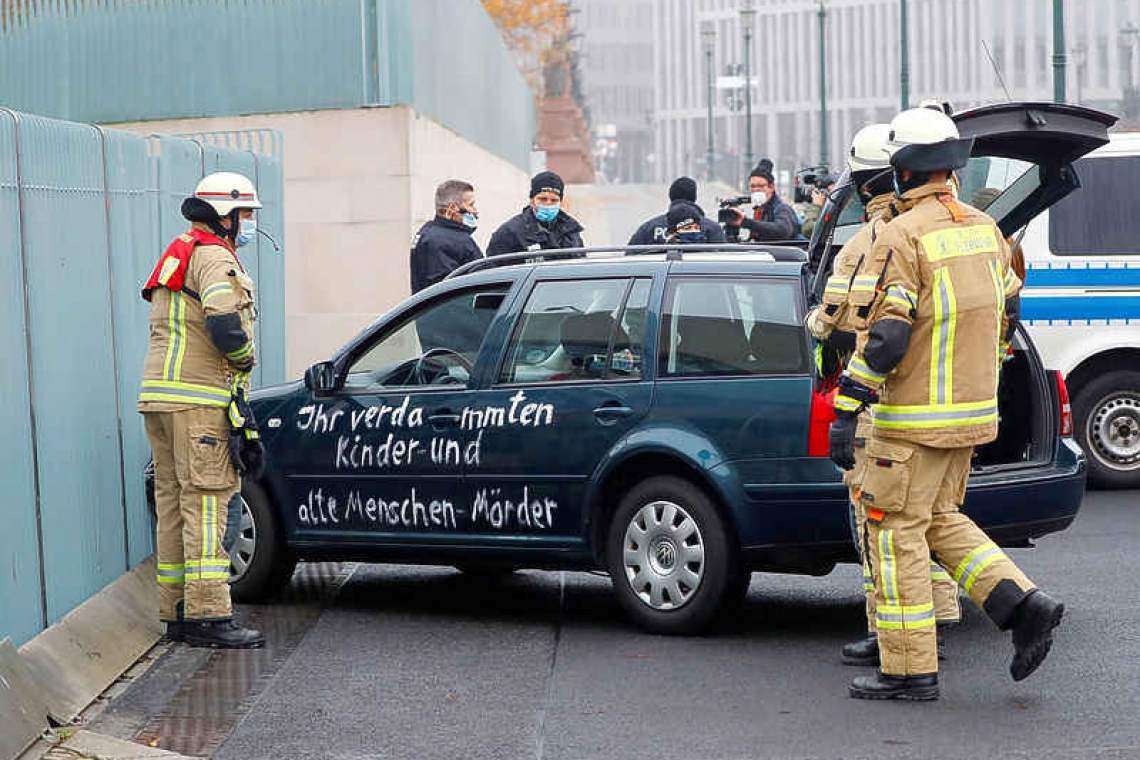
(1106, 419)
(672, 559)
(270, 565)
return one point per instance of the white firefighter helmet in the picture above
(226, 191)
(869, 149)
(926, 140)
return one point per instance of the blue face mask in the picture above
(470, 221)
(898, 187)
(546, 214)
(246, 232)
(692, 237)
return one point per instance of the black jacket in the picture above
(440, 247)
(656, 230)
(777, 222)
(523, 233)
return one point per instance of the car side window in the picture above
(578, 330)
(720, 327)
(436, 344)
(1100, 219)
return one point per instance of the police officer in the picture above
(656, 230)
(934, 302)
(542, 224)
(772, 219)
(685, 224)
(444, 244)
(200, 354)
(829, 323)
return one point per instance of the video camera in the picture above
(808, 179)
(724, 215)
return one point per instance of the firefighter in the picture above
(192, 400)
(870, 174)
(934, 302)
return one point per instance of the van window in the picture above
(1100, 218)
(712, 327)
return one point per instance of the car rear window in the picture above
(1100, 218)
(720, 327)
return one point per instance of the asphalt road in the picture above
(427, 663)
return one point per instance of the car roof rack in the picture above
(672, 251)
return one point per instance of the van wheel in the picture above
(671, 558)
(260, 564)
(1106, 415)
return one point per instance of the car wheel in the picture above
(671, 558)
(260, 563)
(1106, 416)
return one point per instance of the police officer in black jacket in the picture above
(542, 224)
(445, 243)
(656, 230)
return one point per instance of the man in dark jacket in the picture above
(772, 219)
(541, 225)
(445, 243)
(683, 190)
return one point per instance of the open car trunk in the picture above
(1027, 414)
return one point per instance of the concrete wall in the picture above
(358, 184)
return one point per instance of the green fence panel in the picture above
(271, 283)
(21, 599)
(73, 367)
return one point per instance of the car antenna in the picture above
(997, 71)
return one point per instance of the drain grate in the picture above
(210, 702)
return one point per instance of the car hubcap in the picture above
(664, 555)
(241, 555)
(1114, 431)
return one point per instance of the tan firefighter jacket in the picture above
(942, 268)
(184, 368)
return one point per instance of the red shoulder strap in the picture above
(953, 207)
(170, 271)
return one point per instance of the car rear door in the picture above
(1023, 154)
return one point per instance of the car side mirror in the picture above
(321, 377)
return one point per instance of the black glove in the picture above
(246, 450)
(841, 439)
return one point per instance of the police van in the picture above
(1081, 304)
(1073, 211)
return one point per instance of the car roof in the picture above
(577, 262)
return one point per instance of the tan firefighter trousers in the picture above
(195, 490)
(947, 606)
(918, 489)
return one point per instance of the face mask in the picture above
(246, 232)
(691, 237)
(546, 214)
(898, 187)
(759, 198)
(470, 221)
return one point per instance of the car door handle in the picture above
(443, 418)
(612, 412)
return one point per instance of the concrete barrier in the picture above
(23, 704)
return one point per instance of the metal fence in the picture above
(84, 214)
(127, 60)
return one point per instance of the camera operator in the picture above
(809, 212)
(772, 219)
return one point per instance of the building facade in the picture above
(862, 41)
(618, 84)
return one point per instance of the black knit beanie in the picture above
(683, 189)
(546, 182)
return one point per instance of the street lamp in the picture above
(1059, 51)
(822, 85)
(747, 16)
(904, 56)
(708, 39)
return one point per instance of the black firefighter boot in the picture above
(1033, 623)
(866, 651)
(220, 634)
(918, 688)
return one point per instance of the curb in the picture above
(61, 671)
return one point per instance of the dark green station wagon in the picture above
(649, 412)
